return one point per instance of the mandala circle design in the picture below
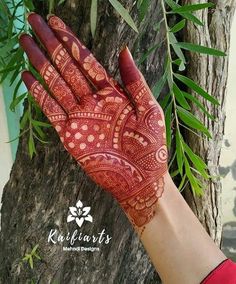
(161, 154)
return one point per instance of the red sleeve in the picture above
(224, 273)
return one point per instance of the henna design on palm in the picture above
(117, 136)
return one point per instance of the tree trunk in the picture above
(38, 195)
(211, 73)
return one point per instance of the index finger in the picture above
(90, 67)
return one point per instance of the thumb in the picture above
(133, 79)
(128, 70)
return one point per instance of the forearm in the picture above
(179, 247)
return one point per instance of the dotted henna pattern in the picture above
(120, 144)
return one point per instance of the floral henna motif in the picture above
(82, 55)
(120, 144)
(94, 70)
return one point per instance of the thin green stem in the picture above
(170, 65)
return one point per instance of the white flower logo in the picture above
(79, 214)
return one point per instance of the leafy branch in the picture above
(12, 62)
(177, 108)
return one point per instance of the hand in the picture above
(117, 136)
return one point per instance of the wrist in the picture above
(142, 208)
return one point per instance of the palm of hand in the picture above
(119, 142)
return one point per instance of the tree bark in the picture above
(38, 195)
(211, 73)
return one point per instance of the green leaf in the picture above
(191, 121)
(194, 184)
(178, 62)
(172, 4)
(6, 70)
(200, 49)
(139, 3)
(169, 77)
(196, 160)
(61, 2)
(26, 257)
(51, 6)
(148, 52)
(179, 152)
(201, 172)
(143, 8)
(164, 102)
(174, 173)
(180, 97)
(16, 89)
(8, 46)
(192, 18)
(199, 104)
(40, 133)
(31, 262)
(186, 15)
(177, 50)
(179, 26)
(168, 123)
(192, 85)
(40, 123)
(182, 183)
(156, 90)
(14, 75)
(29, 4)
(37, 256)
(124, 14)
(172, 160)
(192, 8)
(24, 119)
(31, 145)
(93, 16)
(10, 26)
(16, 101)
(34, 249)
(192, 179)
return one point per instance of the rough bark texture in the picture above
(40, 191)
(211, 73)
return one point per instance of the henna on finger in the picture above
(90, 67)
(52, 78)
(49, 106)
(60, 57)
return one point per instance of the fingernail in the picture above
(24, 70)
(28, 14)
(123, 47)
(49, 16)
(21, 34)
(126, 49)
